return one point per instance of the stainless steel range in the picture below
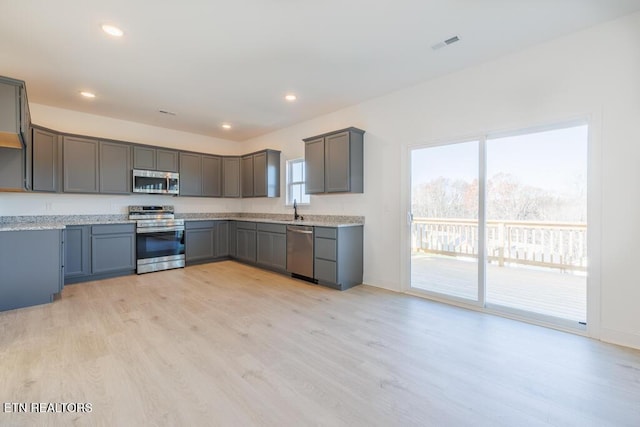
(159, 238)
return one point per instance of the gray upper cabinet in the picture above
(211, 176)
(314, 166)
(167, 160)
(115, 168)
(14, 113)
(231, 176)
(260, 174)
(246, 176)
(200, 175)
(47, 160)
(334, 162)
(80, 165)
(150, 158)
(190, 174)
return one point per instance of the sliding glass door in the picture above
(501, 222)
(444, 205)
(537, 222)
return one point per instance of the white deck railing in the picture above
(545, 244)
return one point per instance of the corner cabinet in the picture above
(260, 174)
(231, 176)
(338, 256)
(334, 162)
(206, 241)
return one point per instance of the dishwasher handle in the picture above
(299, 230)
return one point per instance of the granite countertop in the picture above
(59, 222)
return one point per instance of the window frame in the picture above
(290, 184)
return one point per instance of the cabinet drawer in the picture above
(326, 232)
(194, 225)
(272, 228)
(113, 228)
(246, 225)
(325, 248)
(325, 270)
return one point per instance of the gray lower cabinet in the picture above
(77, 250)
(200, 243)
(231, 177)
(24, 283)
(113, 248)
(334, 162)
(47, 160)
(233, 241)
(206, 241)
(338, 256)
(115, 168)
(98, 251)
(271, 251)
(222, 238)
(246, 241)
(80, 165)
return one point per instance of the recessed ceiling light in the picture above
(290, 97)
(112, 30)
(226, 126)
(88, 94)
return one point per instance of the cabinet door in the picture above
(77, 251)
(112, 253)
(337, 162)
(231, 180)
(279, 251)
(246, 245)
(260, 175)
(190, 174)
(222, 238)
(166, 160)
(246, 176)
(144, 158)
(115, 168)
(264, 248)
(80, 165)
(211, 176)
(314, 166)
(45, 161)
(199, 244)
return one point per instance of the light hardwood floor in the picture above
(227, 344)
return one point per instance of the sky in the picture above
(552, 159)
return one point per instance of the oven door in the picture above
(159, 242)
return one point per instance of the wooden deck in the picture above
(542, 291)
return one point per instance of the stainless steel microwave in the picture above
(155, 182)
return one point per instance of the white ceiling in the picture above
(233, 61)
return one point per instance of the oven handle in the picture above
(159, 229)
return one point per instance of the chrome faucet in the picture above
(295, 212)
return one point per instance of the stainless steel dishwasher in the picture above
(300, 250)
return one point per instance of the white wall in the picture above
(105, 127)
(593, 74)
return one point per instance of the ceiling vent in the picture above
(169, 113)
(445, 43)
